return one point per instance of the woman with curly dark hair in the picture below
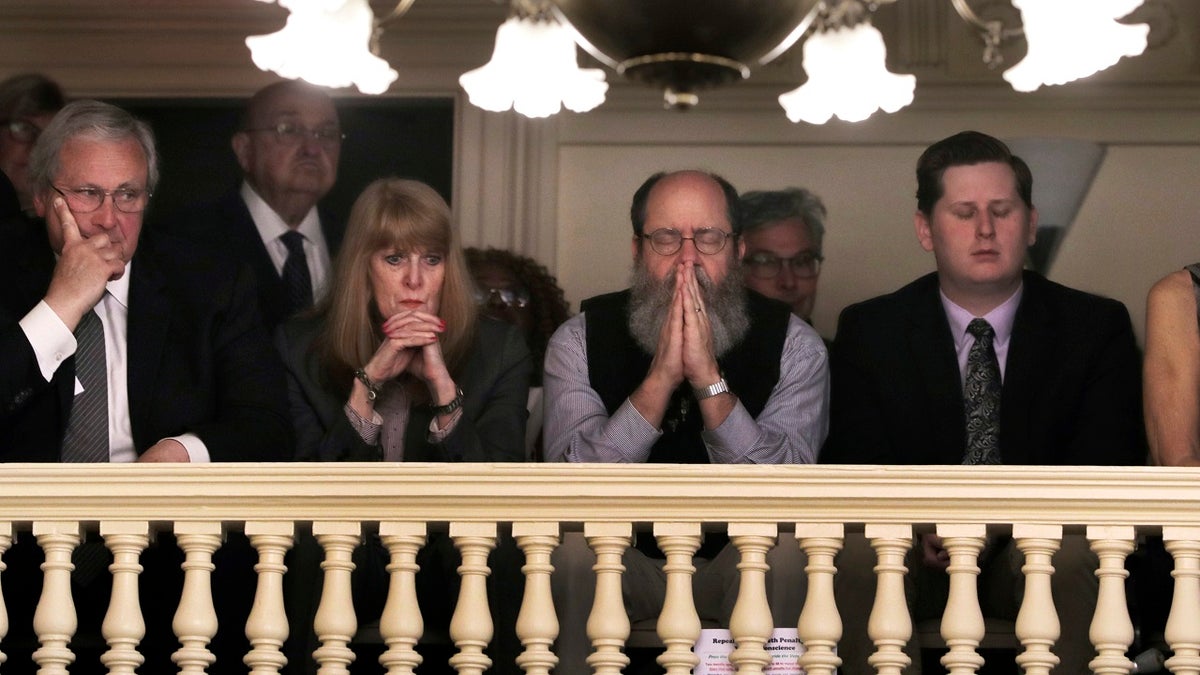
(521, 291)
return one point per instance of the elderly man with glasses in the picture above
(287, 145)
(686, 366)
(120, 345)
(783, 230)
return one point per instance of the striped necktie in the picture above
(86, 438)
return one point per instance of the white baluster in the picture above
(267, 626)
(471, 625)
(962, 624)
(890, 626)
(1112, 630)
(335, 622)
(1183, 624)
(6, 540)
(678, 624)
(124, 627)
(537, 623)
(401, 625)
(608, 623)
(820, 625)
(54, 620)
(195, 620)
(750, 623)
(1037, 626)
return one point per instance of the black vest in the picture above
(617, 365)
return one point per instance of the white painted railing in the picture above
(404, 503)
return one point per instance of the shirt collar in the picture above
(1001, 318)
(119, 289)
(270, 226)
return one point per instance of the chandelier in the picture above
(686, 46)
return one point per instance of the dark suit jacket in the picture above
(494, 381)
(1072, 385)
(227, 226)
(199, 358)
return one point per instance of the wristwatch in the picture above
(711, 390)
(450, 407)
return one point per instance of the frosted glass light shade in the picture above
(1069, 39)
(325, 42)
(847, 77)
(534, 71)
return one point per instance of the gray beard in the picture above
(650, 305)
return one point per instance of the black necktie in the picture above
(296, 279)
(982, 397)
(86, 438)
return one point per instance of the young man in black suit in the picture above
(981, 362)
(118, 347)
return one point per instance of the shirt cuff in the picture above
(50, 338)
(196, 449)
(438, 435)
(368, 430)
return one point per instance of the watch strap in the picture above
(719, 387)
(450, 407)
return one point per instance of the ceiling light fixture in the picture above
(685, 46)
(533, 68)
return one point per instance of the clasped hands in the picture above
(685, 348)
(411, 345)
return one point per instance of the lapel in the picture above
(244, 237)
(333, 231)
(1030, 357)
(931, 348)
(149, 320)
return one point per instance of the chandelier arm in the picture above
(963, 8)
(402, 7)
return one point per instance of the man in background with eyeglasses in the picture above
(686, 366)
(287, 144)
(783, 232)
(27, 104)
(118, 345)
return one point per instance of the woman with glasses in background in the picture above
(27, 104)
(521, 291)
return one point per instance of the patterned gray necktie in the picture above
(86, 438)
(982, 397)
(296, 278)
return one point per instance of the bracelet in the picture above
(372, 388)
(450, 407)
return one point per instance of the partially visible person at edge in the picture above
(1171, 369)
(784, 231)
(521, 291)
(397, 365)
(27, 104)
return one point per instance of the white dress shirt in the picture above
(271, 228)
(54, 343)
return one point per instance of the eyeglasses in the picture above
(288, 133)
(764, 265)
(518, 299)
(88, 199)
(23, 131)
(708, 240)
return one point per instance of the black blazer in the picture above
(1072, 385)
(199, 358)
(494, 381)
(226, 225)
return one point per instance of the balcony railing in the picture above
(404, 503)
